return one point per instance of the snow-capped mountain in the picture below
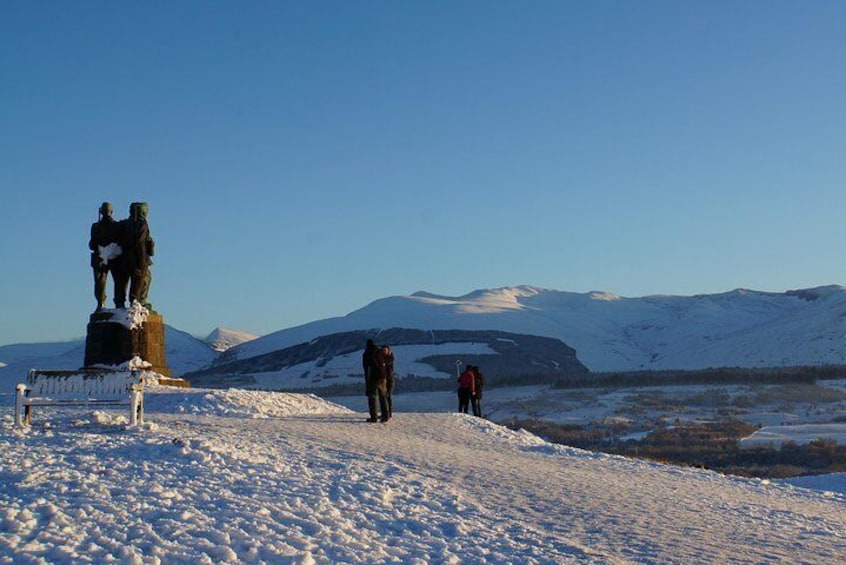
(221, 339)
(744, 328)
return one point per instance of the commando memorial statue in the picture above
(124, 249)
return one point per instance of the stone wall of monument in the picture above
(111, 342)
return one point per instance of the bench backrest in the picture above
(82, 384)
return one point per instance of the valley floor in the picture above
(798, 413)
(251, 477)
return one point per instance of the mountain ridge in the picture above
(737, 328)
(741, 327)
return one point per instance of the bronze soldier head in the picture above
(105, 210)
(138, 211)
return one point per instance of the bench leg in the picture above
(136, 414)
(21, 409)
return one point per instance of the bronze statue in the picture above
(139, 248)
(125, 250)
(106, 250)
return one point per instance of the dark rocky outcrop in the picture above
(516, 354)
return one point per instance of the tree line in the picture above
(715, 446)
(711, 376)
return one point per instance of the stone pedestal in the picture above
(111, 342)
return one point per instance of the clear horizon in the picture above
(302, 161)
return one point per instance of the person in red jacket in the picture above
(466, 388)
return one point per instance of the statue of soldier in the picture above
(105, 246)
(139, 248)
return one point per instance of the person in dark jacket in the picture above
(105, 257)
(479, 384)
(375, 382)
(466, 388)
(389, 377)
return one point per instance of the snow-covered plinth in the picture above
(117, 336)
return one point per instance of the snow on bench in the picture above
(84, 387)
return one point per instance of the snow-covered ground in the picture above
(258, 477)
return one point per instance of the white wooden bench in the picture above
(84, 387)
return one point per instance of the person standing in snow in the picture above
(105, 237)
(389, 377)
(479, 384)
(375, 382)
(466, 388)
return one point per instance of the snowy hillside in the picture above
(183, 352)
(17, 352)
(221, 339)
(739, 328)
(20, 358)
(252, 477)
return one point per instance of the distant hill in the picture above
(336, 359)
(221, 339)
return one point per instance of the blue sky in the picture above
(301, 159)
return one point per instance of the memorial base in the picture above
(110, 342)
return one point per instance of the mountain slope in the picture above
(183, 353)
(738, 328)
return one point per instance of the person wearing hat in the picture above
(105, 257)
